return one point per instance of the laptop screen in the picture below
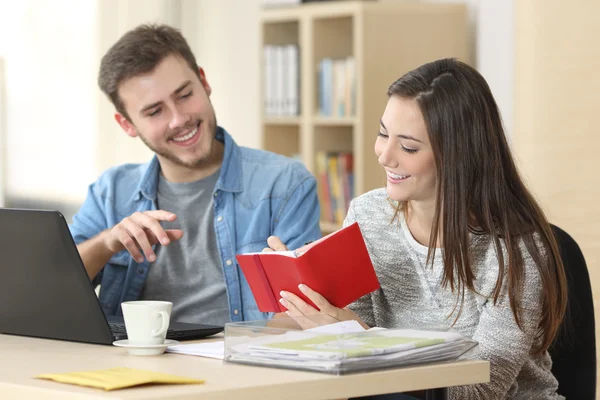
(45, 289)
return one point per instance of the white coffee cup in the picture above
(146, 321)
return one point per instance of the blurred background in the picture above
(540, 57)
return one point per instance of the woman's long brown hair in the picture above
(479, 190)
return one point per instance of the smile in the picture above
(187, 136)
(396, 176)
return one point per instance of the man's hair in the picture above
(137, 52)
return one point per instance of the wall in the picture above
(2, 132)
(556, 105)
(226, 44)
(492, 42)
(49, 78)
(495, 54)
(60, 131)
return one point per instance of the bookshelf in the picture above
(380, 41)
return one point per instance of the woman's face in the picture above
(404, 151)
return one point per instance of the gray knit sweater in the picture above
(411, 295)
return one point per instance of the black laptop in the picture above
(45, 290)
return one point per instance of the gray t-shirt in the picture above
(189, 272)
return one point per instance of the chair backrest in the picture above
(574, 349)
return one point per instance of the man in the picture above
(170, 229)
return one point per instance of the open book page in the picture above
(288, 253)
(299, 251)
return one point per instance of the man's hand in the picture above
(139, 232)
(275, 244)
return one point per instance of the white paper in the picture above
(209, 349)
(287, 253)
(339, 327)
(216, 349)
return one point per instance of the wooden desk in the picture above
(23, 358)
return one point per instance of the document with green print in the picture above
(359, 344)
(351, 352)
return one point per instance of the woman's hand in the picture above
(302, 311)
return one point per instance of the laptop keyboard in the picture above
(119, 329)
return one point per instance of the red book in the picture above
(337, 266)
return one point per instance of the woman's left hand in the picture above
(299, 308)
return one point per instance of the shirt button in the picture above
(219, 219)
(216, 194)
(236, 312)
(228, 262)
(140, 271)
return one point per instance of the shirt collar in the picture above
(230, 177)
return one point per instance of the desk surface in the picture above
(23, 358)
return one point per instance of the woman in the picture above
(455, 236)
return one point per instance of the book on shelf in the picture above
(335, 177)
(281, 80)
(337, 266)
(337, 87)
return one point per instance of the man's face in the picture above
(171, 112)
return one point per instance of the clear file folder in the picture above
(322, 344)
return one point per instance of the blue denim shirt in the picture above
(258, 194)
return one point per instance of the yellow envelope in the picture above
(116, 378)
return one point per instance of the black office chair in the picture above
(574, 349)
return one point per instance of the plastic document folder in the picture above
(262, 343)
(337, 266)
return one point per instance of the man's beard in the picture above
(212, 130)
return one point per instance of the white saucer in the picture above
(145, 350)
